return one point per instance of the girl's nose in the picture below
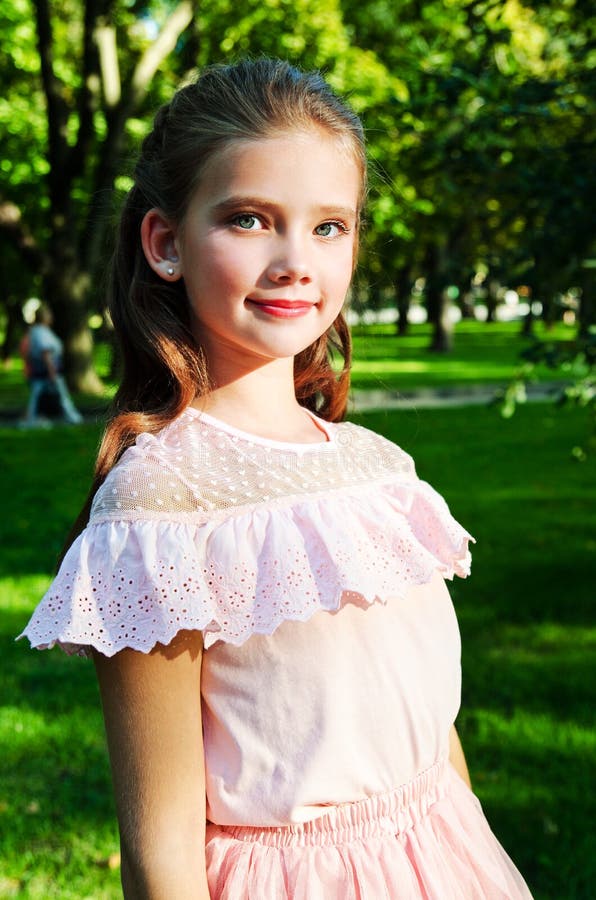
(289, 266)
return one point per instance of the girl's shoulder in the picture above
(145, 480)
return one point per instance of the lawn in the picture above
(527, 627)
(482, 354)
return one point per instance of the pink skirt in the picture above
(427, 839)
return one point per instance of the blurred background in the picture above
(480, 122)
(474, 293)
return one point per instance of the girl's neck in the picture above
(263, 402)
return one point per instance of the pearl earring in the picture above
(170, 270)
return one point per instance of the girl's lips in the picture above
(285, 309)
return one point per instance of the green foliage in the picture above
(573, 361)
(22, 114)
(488, 158)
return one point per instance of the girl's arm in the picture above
(457, 758)
(152, 711)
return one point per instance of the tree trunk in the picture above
(404, 296)
(548, 311)
(14, 322)
(466, 303)
(587, 309)
(76, 247)
(527, 329)
(437, 302)
(442, 338)
(492, 299)
(66, 289)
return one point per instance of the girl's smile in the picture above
(285, 309)
(267, 247)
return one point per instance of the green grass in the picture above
(528, 637)
(56, 812)
(482, 354)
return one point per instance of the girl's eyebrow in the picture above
(344, 212)
(248, 202)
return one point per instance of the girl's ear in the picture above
(159, 245)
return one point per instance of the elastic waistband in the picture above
(392, 813)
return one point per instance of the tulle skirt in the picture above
(427, 839)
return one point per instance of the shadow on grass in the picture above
(546, 825)
(531, 590)
(44, 479)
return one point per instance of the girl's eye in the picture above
(247, 222)
(331, 229)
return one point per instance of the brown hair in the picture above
(163, 365)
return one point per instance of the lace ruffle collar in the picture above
(203, 527)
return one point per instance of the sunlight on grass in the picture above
(549, 638)
(481, 354)
(534, 733)
(541, 797)
(382, 367)
(25, 723)
(55, 791)
(20, 594)
(441, 369)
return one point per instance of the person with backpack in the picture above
(42, 352)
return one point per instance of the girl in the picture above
(262, 588)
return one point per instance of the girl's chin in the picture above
(248, 357)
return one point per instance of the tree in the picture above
(92, 72)
(488, 160)
(93, 68)
(479, 116)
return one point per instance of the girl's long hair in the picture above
(163, 365)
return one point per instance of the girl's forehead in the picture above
(310, 145)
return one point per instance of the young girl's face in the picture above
(267, 246)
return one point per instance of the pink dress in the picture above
(331, 672)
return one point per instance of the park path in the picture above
(380, 398)
(427, 398)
